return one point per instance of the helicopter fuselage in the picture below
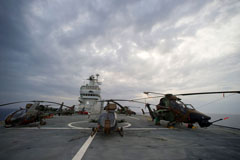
(175, 111)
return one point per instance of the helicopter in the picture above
(172, 109)
(32, 113)
(125, 110)
(82, 111)
(107, 121)
(67, 111)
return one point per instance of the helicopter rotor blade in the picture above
(118, 104)
(196, 93)
(153, 93)
(125, 100)
(201, 93)
(148, 97)
(13, 103)
(33, 102)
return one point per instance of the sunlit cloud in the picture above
(49, 48)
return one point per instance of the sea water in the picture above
(232, 120)
(5, 111)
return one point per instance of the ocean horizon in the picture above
(5, 111)
(232, 121)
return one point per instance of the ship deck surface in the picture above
(63, 137)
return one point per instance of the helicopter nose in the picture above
(199, 117)
(202, 119)
(206, 117)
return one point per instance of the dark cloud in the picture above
(49, 47)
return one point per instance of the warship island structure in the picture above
(90, 96)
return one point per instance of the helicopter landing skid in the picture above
(107, 131)
(43, 122)
(94, 131)
(120, 131)
(171, 124)
(190, 125)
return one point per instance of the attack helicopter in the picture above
(172, 109)
(125, 110)
(66, 111)
(107, 121)
(33, 113)
(82, 111)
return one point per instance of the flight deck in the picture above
(68, 137)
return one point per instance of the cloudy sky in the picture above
(48, 48)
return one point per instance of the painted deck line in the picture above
(76, 128)
(52, 128)
(128, 125)
(84, 148)
(133, 117)
(129, 129)
(72, 126)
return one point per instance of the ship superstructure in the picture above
(90, 95)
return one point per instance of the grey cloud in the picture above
(14, 35)
(48, 48)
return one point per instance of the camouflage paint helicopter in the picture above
(31, 113)
(67, 111)
(172, 109)
(125, 110)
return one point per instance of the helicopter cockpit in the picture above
(189, 106)
(178, 105)
(19, 114)
(173, 102)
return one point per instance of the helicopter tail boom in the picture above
(150, 111)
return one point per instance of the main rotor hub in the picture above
(111, 107)
(172, 97)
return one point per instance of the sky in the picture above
(49, 48)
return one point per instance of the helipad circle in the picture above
(71, 125)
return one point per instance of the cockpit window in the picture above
(162, 102)
(189, 106)
(19, 114)
(176, 104)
